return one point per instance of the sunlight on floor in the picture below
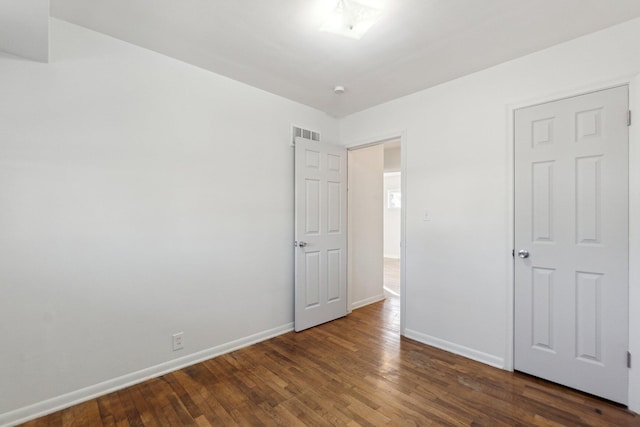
(392, 276)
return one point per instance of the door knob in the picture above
(300, 244)
(523, 253)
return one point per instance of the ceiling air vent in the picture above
(299, 132)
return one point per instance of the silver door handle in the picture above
(300, 244)
(523, 253)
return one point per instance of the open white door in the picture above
(320, 233)
(571, 242)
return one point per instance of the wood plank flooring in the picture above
(355, 371)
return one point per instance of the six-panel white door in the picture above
(320, 233)
(571, 216)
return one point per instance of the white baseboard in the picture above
(37, 410)
(394, 256)
(367, 301)
(469, 353)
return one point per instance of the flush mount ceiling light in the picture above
(351, 19)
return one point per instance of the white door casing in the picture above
(571, 215)
(320, 233)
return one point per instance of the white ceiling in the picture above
(275, 45)
(24, 28)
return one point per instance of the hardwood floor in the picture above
(353, 371)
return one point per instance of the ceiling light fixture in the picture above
(351, 19)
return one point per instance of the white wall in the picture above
(24, 28)
(365, 228)
(392, 155)
(119, 224)
(140, 197)
(392, 216)
(459, 168)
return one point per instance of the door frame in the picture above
(367, 142)
(633, 82)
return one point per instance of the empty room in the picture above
(195, 199)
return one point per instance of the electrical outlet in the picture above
(178, 344)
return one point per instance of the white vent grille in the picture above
(299, 132)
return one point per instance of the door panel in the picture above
(571, 207)
(321, 240)
(542, 318)
(542, 201)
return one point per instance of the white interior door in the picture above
(320, 233)
(571, 216)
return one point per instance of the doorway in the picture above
(320, 197)
(392, 217)
(375, 223)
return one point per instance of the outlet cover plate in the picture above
(178, 344)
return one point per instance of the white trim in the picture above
(394, 256)
(571, 92)
(381, 139)
(367, 301)
(469, 353)
(403, 232)
(634, 245)
(45, 407)
(634, 214)
(349, 235)
(510, 279)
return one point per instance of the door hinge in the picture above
(629, 118)
(513, 253)
(628, 359)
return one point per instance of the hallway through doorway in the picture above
(392, 276)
